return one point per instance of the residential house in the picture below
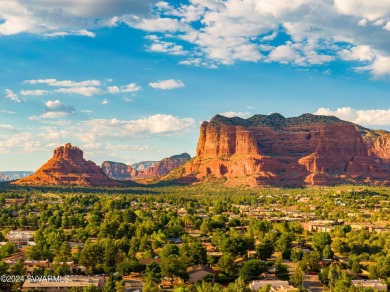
(198, 272)
(276, 285)
(374, 284)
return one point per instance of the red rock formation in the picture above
(273, 150)
(68, 167)
(119, 171)
(122, 171)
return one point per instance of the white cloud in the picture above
(37, 92)
(362, 22)
(7, 112)
(359, 53)
(7, 127)
(167, 84)
(169, 48)
(93, 130)
(113, 89)
(65, 83)
(284, 54)
(229, 31)
(132, 87)
(86, 91)
(374, 117)
(60, 16)
(236, 114)
(387, 26)
(9, 94)
(54, 109)
(371, 10)
(105, 101)
(155, 24)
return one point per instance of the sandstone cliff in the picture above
(274, 150)
(122, 171)
(68, 167)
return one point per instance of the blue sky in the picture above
(132, 80)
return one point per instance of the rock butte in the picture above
(122, 171)
(278, 151)
(68, 167)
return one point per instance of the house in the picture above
(319, 225)
(276, 285)
(198, 272)
(63, 284)
(374, 284)
(30, 266)
(20, 237)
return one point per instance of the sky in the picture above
(132, 80)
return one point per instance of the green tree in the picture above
(152, 273)
(169, 250)
(226, 264)
(296, 254)
(91, 255)
(296, 278)
(265, 249)
(91, 288)
(252, 269)
(327, 252)
(173, 266)
(320, 240)
(110, 285)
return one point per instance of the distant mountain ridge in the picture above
(13, 175)
(121, 171)
(143, 165)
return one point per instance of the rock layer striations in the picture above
(68, 167)
(122, 171)
(274, 150)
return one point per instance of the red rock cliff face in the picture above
(122, 171)
(273, 150)
(68, 167)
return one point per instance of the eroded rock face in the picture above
(273, 150)
(122, 171)
(68, 167)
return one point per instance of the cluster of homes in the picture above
(309, 221)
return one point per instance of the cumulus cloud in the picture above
(167, 84)
(70, 17)
(373, 117)
(54, 109)
(159, 124)
(132, 87)
(160, 46)
(157, 24)
(105, 101)
(9, 94)
(86, 91)
(317, 32)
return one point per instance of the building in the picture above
(198, 272)
(63, 284)
(20, 237)
(319, 225)
(30, 266)
(276, 285)
(374, 284)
